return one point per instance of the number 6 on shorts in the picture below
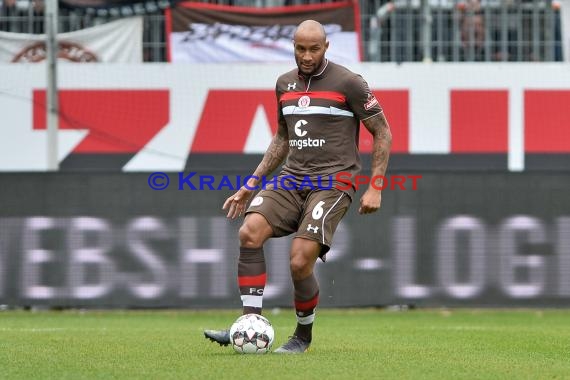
(318, 210)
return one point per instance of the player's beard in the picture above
(309, 70)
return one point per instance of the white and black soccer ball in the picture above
(252, 334)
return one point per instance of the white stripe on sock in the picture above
(252, 301)
(306, 320)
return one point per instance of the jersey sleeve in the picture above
(360, 99)
(278, 94)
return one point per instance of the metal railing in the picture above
(392, 31)
(407, 30)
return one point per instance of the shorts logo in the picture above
(315, 229)
(371, 102)
(304, 101)
(298, 131)
(257, 201)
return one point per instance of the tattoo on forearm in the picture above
(380, 130)
(274, 156)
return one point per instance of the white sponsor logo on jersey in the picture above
(298, 131)
(306, 142)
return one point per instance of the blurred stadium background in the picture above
(392, 31)
(476, 93)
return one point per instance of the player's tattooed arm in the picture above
(275, 154)
(378, 126)
(382, 142)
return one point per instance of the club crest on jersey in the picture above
(371, 102)
(304, 101)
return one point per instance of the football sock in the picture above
(306, 300)
(251, 278)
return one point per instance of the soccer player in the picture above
(321, 105)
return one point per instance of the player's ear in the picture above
(326, 45)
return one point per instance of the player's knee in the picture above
(304, 253)
(247, 236)
(253, 233)
(300, 266)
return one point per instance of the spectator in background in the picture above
(472, 30)
(38, 16)
(7, 10)
(22, 17)
(558, 54)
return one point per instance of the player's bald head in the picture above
(310, 29)
(310, 45)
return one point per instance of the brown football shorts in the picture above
(312, 214)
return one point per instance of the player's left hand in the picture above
(370, 201)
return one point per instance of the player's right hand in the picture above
(237, 203)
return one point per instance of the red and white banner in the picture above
(152, 117)
(215, 33)
(117, 41)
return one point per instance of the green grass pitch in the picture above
(348, 344)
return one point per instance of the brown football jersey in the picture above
(323, 114)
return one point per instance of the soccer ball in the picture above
(252, 334)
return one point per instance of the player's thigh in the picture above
(280, 208)
(322, 213)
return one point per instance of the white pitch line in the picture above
(33, 329)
